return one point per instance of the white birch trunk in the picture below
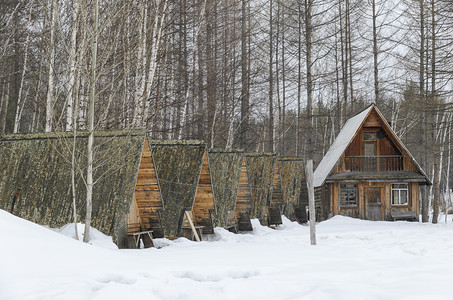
(90, 154)
(70, 115)
(230, 139)
(182, 121)
(82, 104)
(447, 185)
(73, 171)
(158, 25)
(80, 87)
(20, 102)
(140, 76)
(51, 78)
(216, 110)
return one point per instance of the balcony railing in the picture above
(384, 163)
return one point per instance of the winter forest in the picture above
(273, 76)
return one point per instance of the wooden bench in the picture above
(404, 216)
(146, 236)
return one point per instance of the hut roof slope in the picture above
(38, 170)
(338, 147)
(260, 170)
(69, 135)
(225, 169)
(178, 168)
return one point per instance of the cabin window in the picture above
(369, 136)
(369, 143)
(400, 194)
(348, 194)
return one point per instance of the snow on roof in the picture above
(338, 147)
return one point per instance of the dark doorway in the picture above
(373, 204)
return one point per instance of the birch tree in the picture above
(70, 116)
(52, 4)
(90, 150)
(21, 102)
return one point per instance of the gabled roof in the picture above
(338, 147)
(343, 140)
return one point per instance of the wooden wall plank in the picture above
(147, 198)
(244, 201)
(204, 198)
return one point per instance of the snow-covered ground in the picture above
(354, 259)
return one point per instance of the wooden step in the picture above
(244, 223)
(275, 218)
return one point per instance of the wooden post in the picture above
(311, 200)
(195, 233)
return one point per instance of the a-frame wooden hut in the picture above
(368, 173)
(35, 178)
(225, 166)
(173, 179)
(289, 180)
(260, 171)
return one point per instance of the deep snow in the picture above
(354, 259)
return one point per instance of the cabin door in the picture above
(373, 203)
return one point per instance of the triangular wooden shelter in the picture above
(225, 166)
(260, 171)
(35, 178)
(289, 180)
(173, 179)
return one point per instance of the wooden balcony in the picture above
(384, 163)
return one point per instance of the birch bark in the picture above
(51, 77)
(90, 150)
(158, 26)
(70, 116)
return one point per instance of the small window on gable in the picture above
(348, 194)
(369, 136)
(400, 194)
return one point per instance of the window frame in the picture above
(356, 191)
(399, 189)
(374, 142)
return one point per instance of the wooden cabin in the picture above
(260, 171)
(368, 173)
(225, 166)
(289, 184)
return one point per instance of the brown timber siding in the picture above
(204, 199)
(244, 199)
(147, 194)
(386, 200)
